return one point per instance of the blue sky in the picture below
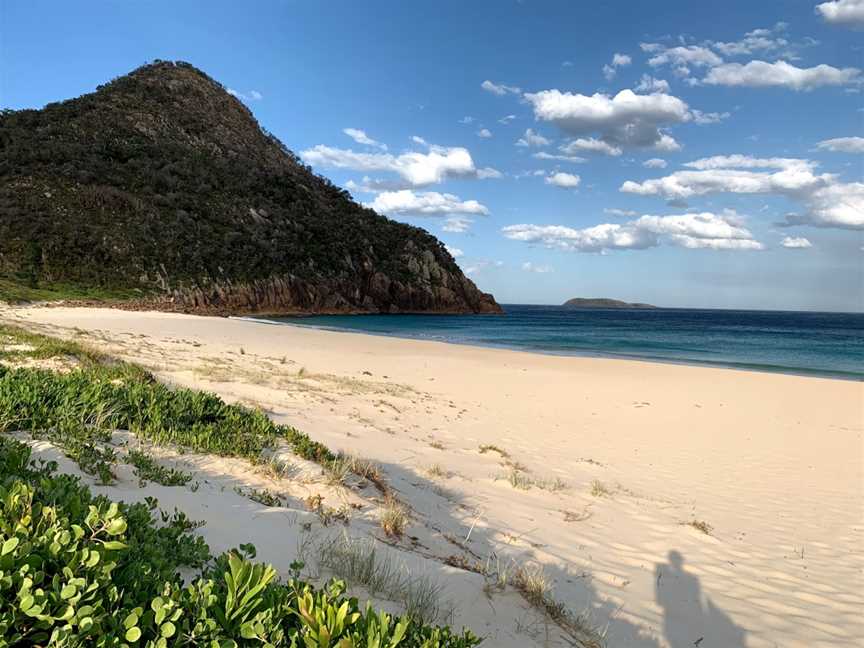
(685, 154)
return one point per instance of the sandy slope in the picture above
(772, 463)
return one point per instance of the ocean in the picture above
(820, 344)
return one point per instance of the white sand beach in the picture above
(621, 457)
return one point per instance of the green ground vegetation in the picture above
(81, 570)
(78, 570)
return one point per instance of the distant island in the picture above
(602, 302)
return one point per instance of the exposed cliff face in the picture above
(291, 295)
(163, 183)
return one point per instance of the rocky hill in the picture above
(602, 302)
(163, 186)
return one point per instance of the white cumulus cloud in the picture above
(252, 95)
(528, 174)
(627, 119)
(590, 145)
(655, 163)
(761, 74)
(563, 180)
(457, 224)
(700, 117)
(618, 60)
(607, 236)
(425, 203)
(484, 133)
(543, 155)
(828, 202)
(839, 205)
(488, 173)
(533, 267)
(694, 243)
(842, 145)
(684, 55)
(681, 185)
(694, 231)
(614, 211)
(847, 13)
(361, 137)
(369, 185)
(763, 41)
(796, 242)
(709, 55)
(499, 88)
(416, 169)
(649, 84)
(738, 161)
(530, 138)
(454, 252)
(705, 225)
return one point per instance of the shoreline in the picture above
(597, 355)
(741, 487)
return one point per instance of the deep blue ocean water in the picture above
(826, 344)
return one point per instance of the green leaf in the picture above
(9, 546)
(167, 630)
(116, 526)
(133, 634)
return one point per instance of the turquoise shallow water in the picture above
(825, 344)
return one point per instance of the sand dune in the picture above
(675, 506)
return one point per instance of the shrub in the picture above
(81, 570)
(82, 403)
(145, 467)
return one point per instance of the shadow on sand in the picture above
(576, 591)
(688, 620)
